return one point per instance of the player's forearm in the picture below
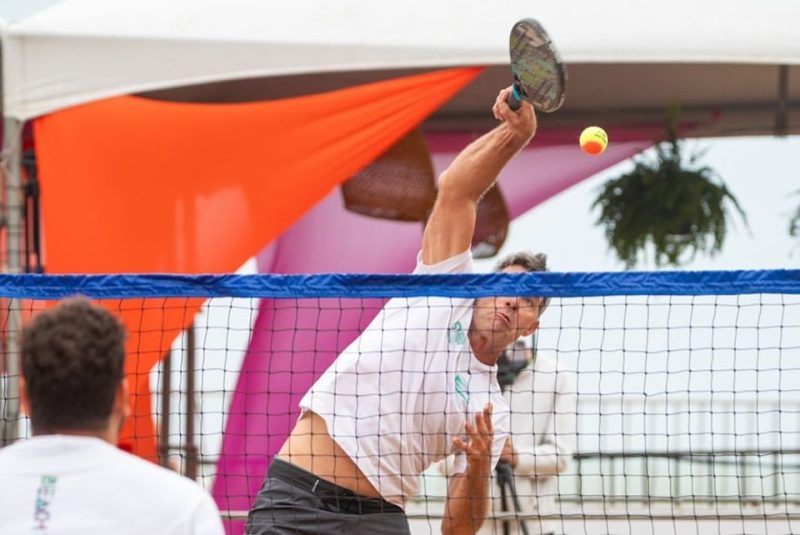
(467, 503)
(476, 168)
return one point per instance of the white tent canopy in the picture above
(76, 51)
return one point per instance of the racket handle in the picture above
(514, 99)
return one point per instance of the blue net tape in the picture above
(384, 285)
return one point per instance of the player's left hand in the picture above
(481, 436)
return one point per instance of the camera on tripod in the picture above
(511, 363)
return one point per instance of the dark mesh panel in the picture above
(400, 185)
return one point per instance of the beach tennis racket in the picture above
(539, 75)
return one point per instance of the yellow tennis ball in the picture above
(593, 140)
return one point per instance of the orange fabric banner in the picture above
(137, 185)
(131, 185)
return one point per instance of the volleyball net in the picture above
(644, 403)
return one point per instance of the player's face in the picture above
(504, 319)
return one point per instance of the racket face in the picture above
(539, 75)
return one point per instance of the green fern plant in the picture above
(667, 209)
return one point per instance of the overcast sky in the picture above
(762, 172)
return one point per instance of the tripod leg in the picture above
(515, 500)
(504, 505)
(503, 474)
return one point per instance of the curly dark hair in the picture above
(73, 360)
(529, 262)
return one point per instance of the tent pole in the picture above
(13, 218)
(782, 112)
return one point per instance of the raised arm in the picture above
(452, 222)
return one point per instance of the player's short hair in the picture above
(73, 358)
(529, 262)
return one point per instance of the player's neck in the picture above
(482, 349)
(107, 434)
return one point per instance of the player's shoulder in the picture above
(545, 375)
(545, 362)
(27, 450)
(9, 455)
(148, 473)
(547, 366)
(9, 451)
(174, 502)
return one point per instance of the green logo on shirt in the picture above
(456, 335)
(462, 388)
(44, 496)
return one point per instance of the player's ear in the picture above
(24, 399)
(531, 328)
(122, 398)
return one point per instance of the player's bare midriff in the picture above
(311, 448)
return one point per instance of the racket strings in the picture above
(536, 67)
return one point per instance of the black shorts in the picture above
(292, 500)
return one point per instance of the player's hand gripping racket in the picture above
(539, 75)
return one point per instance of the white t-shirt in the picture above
(398, 395)
(64, 484)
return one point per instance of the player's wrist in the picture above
(480, 466)
(523, 129)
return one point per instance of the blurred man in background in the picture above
(541, 442)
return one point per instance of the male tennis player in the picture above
(70, 477)
(419, 383)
